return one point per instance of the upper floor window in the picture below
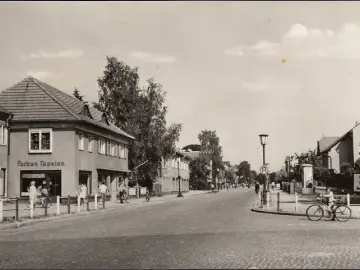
(81, 141)
(102, 146)
(3, 135)
(91, 144)
(122, 151)
(113, 149)
(40, 140)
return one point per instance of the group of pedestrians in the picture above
(36, 194)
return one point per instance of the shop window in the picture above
(50, 179)
(3, 135)
(91, 144)
(40, 140)
(81, 141)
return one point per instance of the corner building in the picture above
(59, 141)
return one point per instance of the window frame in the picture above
(90, 144)
(122, 151)
(102, 146)
(40, 131)
(81, 141)
(4, 133)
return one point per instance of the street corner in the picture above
(274, 212)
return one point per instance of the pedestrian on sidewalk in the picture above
(82, 194)
(273, 185)
(32, 192)
(102, 190)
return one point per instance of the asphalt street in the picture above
(206, 231)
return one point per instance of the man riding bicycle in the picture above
(257, 187)
(44, 195)
(330, 202)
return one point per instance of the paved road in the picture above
(207, 231)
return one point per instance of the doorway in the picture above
(85, 178)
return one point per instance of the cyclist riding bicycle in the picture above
(257, 187)
(44, 194)
(330, 202)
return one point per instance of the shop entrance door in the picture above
(53, 183)
(85, 178)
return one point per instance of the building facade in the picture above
(59, 141)
(4, 150)
(168, 180)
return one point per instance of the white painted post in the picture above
(268, 200)
(96, 201)
(58, 205)
(31, 208)
(78, 204)
(1, 209)
(348, 200)
(296, 202)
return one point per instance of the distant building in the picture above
(167, 181)
(58, 141)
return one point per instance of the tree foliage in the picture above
(76, 93)
(244, 170)
(192, 147)
(210, 146)
(139, 111)
(198, 170)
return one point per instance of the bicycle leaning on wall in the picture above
(316, 212)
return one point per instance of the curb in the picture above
(28, 222)
(287, 213)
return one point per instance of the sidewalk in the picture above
(39, 213)
(287, 205)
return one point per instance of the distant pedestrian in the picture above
(257, 188)
(273, 186)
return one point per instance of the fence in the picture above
(15, 209)
(298, 203)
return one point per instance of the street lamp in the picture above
(179, 178)
(263, 141)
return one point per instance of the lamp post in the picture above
(263, 141)
(179, 178)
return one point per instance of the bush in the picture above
(199, 184)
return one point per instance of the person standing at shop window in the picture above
(32, 192)
(82, 194)
(103, 190)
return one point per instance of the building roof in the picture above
(325, 142)
(192, 154)
(4, 111)
(335, 142)
(34, 100)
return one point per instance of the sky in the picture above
(287, 69)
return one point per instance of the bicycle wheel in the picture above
(342, 213)
(314, 212)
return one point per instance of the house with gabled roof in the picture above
(336, 151)
(59, 141)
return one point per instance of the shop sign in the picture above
(40, 163)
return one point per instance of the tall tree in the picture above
(199, 172)
(210, 147)
(76, 94)
(244, 170)
(140, 112)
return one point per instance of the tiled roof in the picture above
(34, 100)
(3, 110)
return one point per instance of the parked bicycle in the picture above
(46, 202)
(316, 212)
